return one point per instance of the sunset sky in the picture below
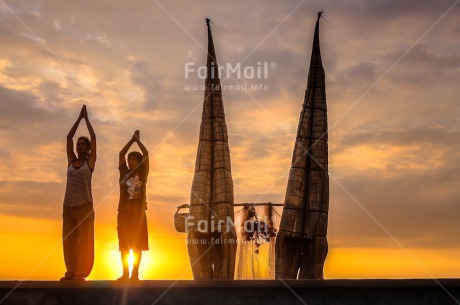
(392, 83)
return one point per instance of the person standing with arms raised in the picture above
(78, 211)
(132, 219)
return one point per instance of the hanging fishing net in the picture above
(256, 228)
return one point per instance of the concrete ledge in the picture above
(330, 292)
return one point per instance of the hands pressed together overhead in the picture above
(136, 136)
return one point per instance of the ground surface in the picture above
(330, 292)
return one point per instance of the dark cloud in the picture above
(152, 84)
(440, 137)
(419, 210)
(424, 69)
(20, 106)
(30, 122)
(31, 198)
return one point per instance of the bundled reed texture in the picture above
(301, 244)
(212, 250)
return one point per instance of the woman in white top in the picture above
(78, 211)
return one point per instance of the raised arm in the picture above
(92, 155)
(71, 134)
(123, 151)
(144, 151)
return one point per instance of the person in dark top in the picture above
(132, 220)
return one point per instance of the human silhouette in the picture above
(78, 211)
(132, 220)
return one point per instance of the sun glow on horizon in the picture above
(168, 258)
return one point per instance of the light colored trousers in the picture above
(78, 240)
